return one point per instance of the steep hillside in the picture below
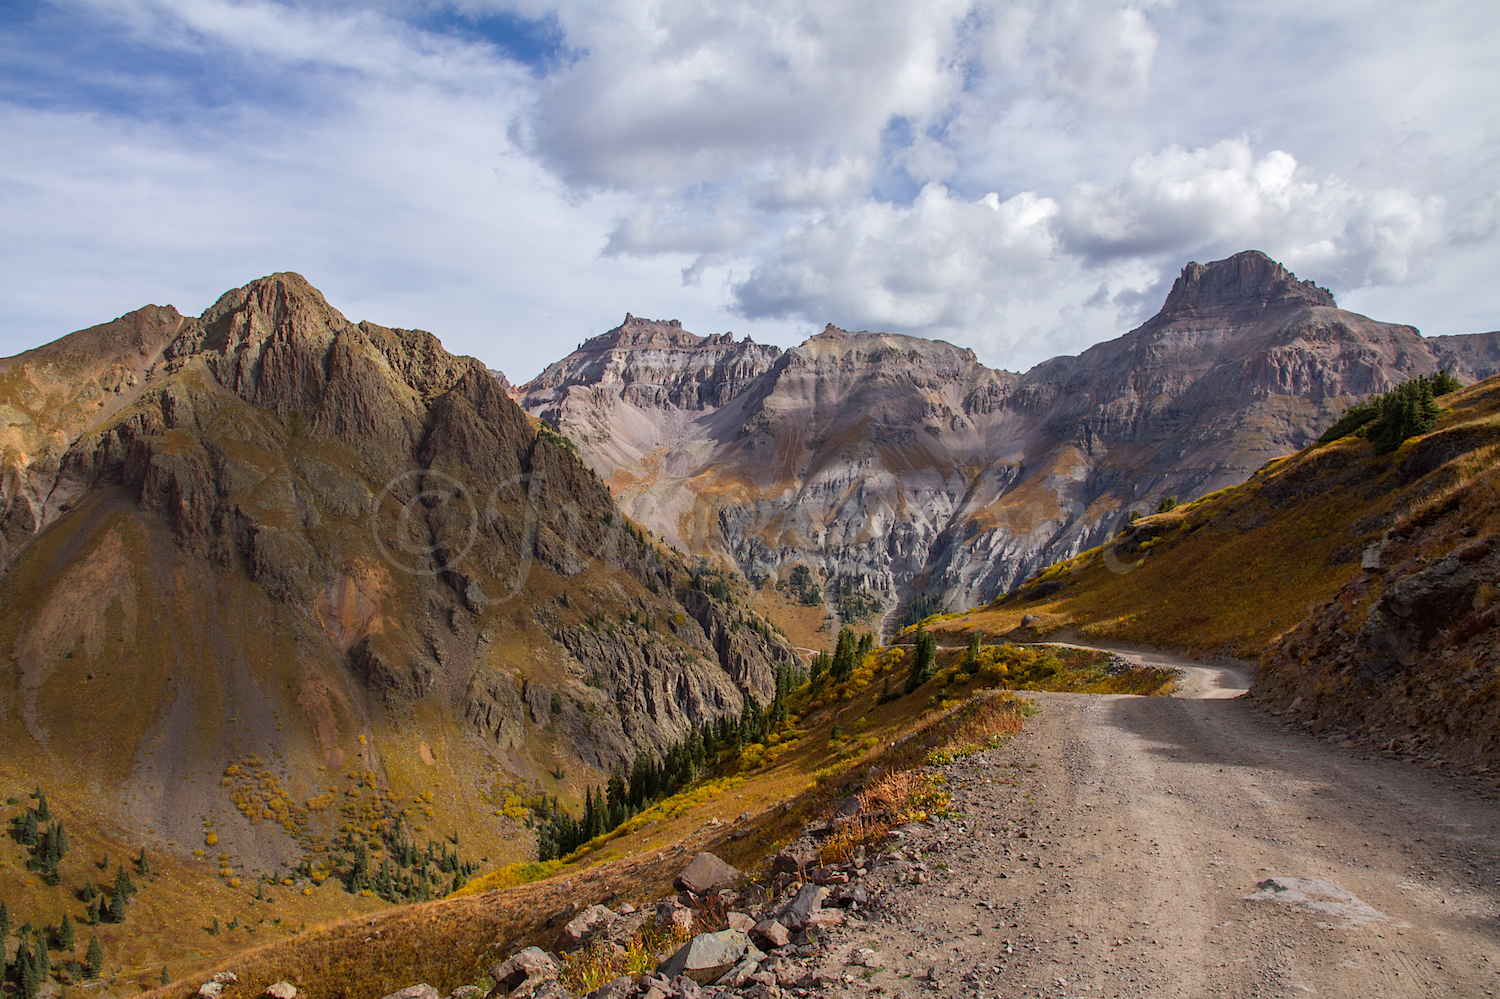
(1364, 583)
(295, 590)
(899, 468)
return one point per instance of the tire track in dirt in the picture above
(1109, 849)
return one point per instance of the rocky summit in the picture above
(899, 468)
(294, 560)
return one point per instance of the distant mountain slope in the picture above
(1364, 584)
(899, 467)
(270, 534)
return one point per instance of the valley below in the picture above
(1189, 846)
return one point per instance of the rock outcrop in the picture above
(350, 544)
(1400, 660)
(899, 467)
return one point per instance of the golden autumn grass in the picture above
(1238, 568)
(452, 942)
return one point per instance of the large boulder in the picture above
(419, 991)
(705, 873)
(530, 964)
(592, 922)
(709, 956)
(798, 855)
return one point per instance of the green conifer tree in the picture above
(43, 813)
(28, 832)
(164, 978)
(65, 934)
(93, 959)
(4, 929)
(117, 903)
(921, 665)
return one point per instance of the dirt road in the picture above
(1112, 849)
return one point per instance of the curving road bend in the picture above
(1113, 849)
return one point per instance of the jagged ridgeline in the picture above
(297, 591)
(869, 472)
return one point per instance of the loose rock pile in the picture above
(752, 941)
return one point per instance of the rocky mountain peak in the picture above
(1247, 282)
(638, 332)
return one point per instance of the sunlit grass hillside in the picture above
(1234, 570)
(751, 801)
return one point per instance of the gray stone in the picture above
(807, 901)
(706, 957)
(672, 916)
(798, 855)
(419, 991)
(533, 962)
(285, 990)
(773, 932)
(740, 973)
(467, 992)
(212, 990)
(705, 873)
(740, 921)
(588, 924)
(227, 978)
(852, 895)
(786, 973)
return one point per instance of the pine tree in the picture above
(65, 934)
(26, 975)
(28, 829)
(123, 882)
(43, 813)
(89, 891)
(117, 903)
(93, 960)
(143, 864)
(164, 978)
(921, 666)
(4, 929)
(843, 655)
(43, 959)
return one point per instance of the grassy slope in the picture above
(744, 814)
(1235, 571)
(139, 675)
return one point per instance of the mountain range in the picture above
(905, 473)
(265, 565)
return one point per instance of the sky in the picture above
(1023, 178)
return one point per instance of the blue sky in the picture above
(1023, 178)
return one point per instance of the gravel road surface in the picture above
(1188, 846)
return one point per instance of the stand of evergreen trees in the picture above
(650, 779)
(407, 873)
(1388, 419)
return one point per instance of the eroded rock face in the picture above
(323, 525)
(895, 465)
